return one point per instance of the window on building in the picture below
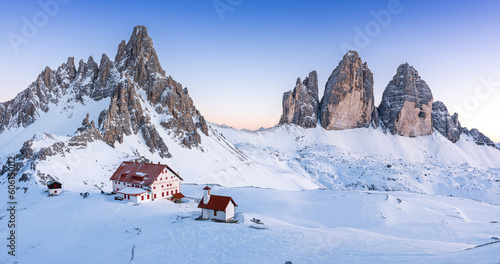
(55, 191)
(142, 197)
(148, 197)
(167, 193)
(154, 187)
(215, 212)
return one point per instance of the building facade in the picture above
(140, 182)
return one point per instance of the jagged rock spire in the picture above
(445, 124)
(301, 106)
(138, 57)
(348, 100)
(406, 104)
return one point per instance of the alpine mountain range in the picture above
(130, 108)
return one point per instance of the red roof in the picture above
(207, 188)
(217, 202)
(139, 173)
(178, 195)
(54, 184)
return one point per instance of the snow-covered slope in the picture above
(214, 161)
(369, 159)
(319, 226)
(284, 157)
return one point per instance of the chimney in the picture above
(158, 163)
(206, 195)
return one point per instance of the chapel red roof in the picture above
(207, 188)
(139, 173)
(178, 195)
(217, 202)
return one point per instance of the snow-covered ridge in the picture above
(366, 158)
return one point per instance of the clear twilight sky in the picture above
(238, 57)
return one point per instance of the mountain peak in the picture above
(351, 53)
(301, 105)
(141, 30)
(406, 105)
(139, 57)
(348, 100)
(406, 70)
(299, 81)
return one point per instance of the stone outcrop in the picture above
(406, 105)
(447, 125)
(478, 137)
(301, 105)
(125, 116)
(85, 80)
(348, 100)
(106, 79)
(376, 119)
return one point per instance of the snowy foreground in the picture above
(315, 226)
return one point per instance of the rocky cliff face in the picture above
(133, 83)
(445, 124)
(348, 99)
(301, 105)
(138, 58)
(406, 105)
(49, 87)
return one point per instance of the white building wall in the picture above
(229, 211)
(211, 214)
(205, 214)
(53, 191)
(161, 186)
(220, 215)
(136, 199)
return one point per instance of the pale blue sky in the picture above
(238, 61)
